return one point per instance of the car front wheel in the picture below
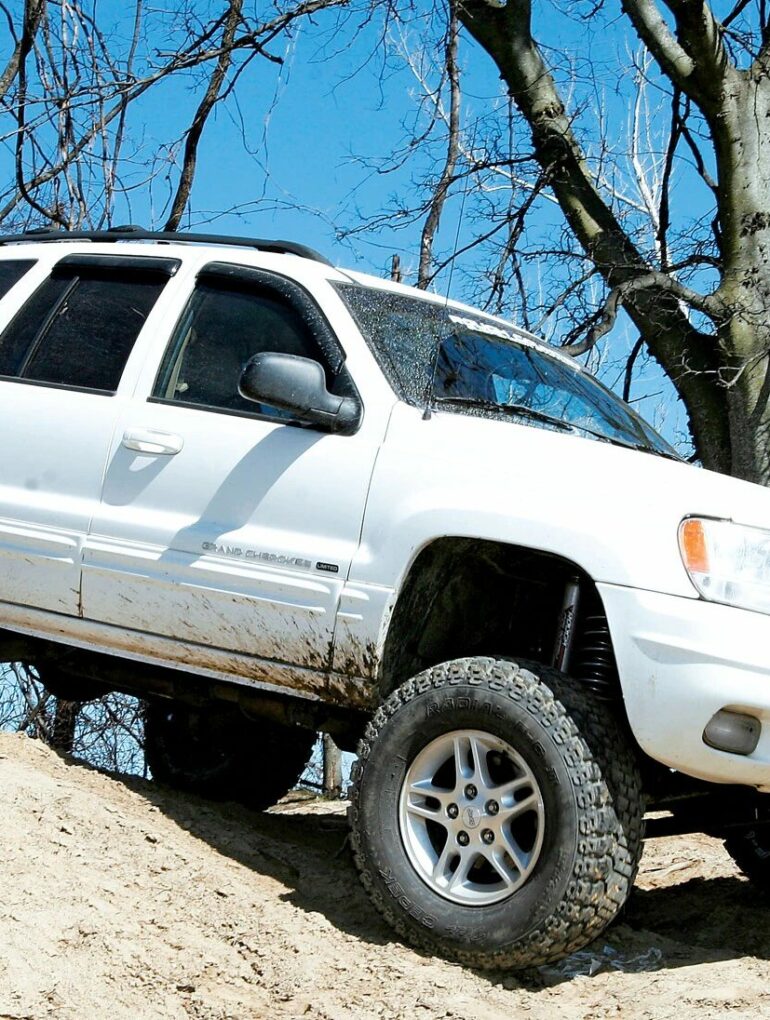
(750, 850)
(496, 813)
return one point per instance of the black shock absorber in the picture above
(583, 647)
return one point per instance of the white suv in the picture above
(271, 496)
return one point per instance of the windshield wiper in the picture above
(515, 410)
(524, 411)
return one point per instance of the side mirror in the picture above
(298, 385)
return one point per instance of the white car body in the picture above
(169, 535)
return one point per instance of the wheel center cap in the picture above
(471, 817)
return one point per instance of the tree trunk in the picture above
(689, 357)
(332, 768)
(743, 160)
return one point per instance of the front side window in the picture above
(224, 326)
(78, 328)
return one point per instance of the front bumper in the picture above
(681, 660)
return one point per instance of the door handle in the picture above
(152, 441)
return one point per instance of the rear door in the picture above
(225, 523)
(61, 360)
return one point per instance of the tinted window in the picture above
(11, 272)
(220, 330)
(78, 330)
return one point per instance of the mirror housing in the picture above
(298, 385)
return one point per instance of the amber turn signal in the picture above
(692, 539)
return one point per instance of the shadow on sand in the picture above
(700, 920)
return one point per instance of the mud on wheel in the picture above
(496, 813)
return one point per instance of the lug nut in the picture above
(463, 838)
(487, 836)
(492, 807)
(453, 811)
(471, 791)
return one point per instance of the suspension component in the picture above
(565, 632)
(593, 660)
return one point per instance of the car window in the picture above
(432, 352)
(11, 271)
(78, 328)
(221, 329)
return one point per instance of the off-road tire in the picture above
(750, 850)
(591, 789)
(220, 754)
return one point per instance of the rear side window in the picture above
(11, 272)
(78, 328)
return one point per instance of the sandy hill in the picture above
(120, 899)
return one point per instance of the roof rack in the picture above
(133, 233)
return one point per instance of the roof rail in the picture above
(132, 233)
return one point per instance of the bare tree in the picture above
(107, 733)
(74, 91)
(691, 277)
(711, 335)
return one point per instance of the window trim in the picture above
(231, 413)
(110, 265)
(298, 297)
(45, 325)
(57, 386)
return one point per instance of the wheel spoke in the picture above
(481, 772)
(512, 848)
(520, 807)
(441, 866)
(497, 859)
(511, 787)
(461, 759)
(461, 872)
(425, 788)
(434, 814)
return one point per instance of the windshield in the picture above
(436, 356)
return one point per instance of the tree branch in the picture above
(652, 29)
(630, 363)
(453, 150)
(708, 304)
(695, 59)
(12, 68)
(33, 16)
(207, 104)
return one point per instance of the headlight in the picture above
(727, 562)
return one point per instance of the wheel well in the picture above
(467, 596)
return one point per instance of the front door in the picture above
(224, 524)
